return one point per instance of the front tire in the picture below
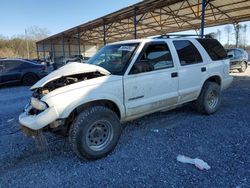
(210, 98)
(243, 67)
(95, 132)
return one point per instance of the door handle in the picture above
(174, 74)
(203, 69)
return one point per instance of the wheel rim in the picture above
(99, 135)
(212, 99)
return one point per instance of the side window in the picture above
(187, 52)
(11, 64)
(238, 53)
(154, 57)
(214, 49)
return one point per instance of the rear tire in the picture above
(209, 99)
(29, 79)
(95, 132)
(243, 67)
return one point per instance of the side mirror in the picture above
(142, 66)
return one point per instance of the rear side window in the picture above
(11, 64)
(187, 52)
(214, 49)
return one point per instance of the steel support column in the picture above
(43, 51)
(203, 18)
(79, 42)
(37, 52)
(63, 46)
(135, 24)
(104, 34)
(51, 50)
(69, 47)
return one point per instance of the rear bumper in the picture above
(36, 122)
(226, 82)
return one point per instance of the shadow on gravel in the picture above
(10, 85)
(34, 152)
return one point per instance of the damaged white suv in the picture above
(124, 81)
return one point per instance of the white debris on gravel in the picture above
(155, 130)
(200, 164)
(10, 120)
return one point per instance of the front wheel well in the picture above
(106, 103)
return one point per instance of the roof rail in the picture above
(179, 36)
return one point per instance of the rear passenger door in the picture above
(152, 83)
(192, 70)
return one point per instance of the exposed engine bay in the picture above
(64, 81)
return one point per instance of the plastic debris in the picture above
(10, 120)
(200, 164)
(155, 130)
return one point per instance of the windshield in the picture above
(114, 58)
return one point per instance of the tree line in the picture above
(24, 45)
(236, 36)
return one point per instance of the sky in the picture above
(59, 15)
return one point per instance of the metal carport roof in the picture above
(153, 17)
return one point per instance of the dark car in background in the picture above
(77, 58)
(238, 59)
(20, 70)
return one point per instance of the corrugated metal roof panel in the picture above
(154, 15)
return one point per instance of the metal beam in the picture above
(135, 22)
(37, 52)
(203, 18)
(43, 51)
(104, 34)
(63, 46)
(79, 42)
(69, 47)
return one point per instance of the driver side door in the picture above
(151, 89)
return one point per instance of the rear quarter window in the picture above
(214, 49)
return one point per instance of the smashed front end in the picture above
(40, 114)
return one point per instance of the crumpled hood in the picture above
(70, 69)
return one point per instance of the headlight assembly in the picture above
(37, 104)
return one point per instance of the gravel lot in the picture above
(147, 151)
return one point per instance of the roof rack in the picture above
(180, 35)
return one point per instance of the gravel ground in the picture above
(147, 151)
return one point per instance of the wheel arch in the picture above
(213, 78)
(100, 102)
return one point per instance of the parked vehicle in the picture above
(77, 58)
(124, 81)
(19, 70)
(238, 59)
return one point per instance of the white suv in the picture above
(124, 81)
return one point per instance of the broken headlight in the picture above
(37, 104)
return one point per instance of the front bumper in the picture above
(39, 121)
